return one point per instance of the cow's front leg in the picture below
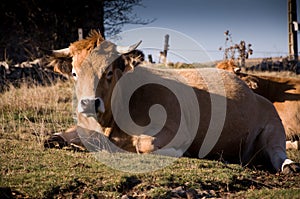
(61, 139)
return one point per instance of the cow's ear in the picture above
(252, 85)
(252, 82)
(62, 65)
(133, 59)
(60, 60)
(130, 56)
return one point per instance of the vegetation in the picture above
(29, 115)
(29, 25)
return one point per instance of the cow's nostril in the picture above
(97, 104)
(84, 102)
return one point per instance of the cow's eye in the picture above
(74, 74)
(109, 75)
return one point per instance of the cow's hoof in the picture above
(55, 141)
(291, 168)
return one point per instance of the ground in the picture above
(29, 115)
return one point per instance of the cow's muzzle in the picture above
(91, 106)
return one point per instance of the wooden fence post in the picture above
(80, 34)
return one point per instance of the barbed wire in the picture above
(256, 51)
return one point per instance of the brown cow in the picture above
(235, 123)
(283, 92)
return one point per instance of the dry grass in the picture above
(37, 110)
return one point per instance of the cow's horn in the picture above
(127, 49)
(61, 52)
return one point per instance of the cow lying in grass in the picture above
(283, 92)
(235, 124)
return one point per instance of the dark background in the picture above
(28, 25)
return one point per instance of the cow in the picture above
(283, 92)
(61, 61)
(251, 131)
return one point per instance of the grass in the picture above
(27, 170)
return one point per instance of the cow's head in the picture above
(97, 75)
(96, 65)
(230, 66)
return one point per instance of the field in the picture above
(27, 170)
